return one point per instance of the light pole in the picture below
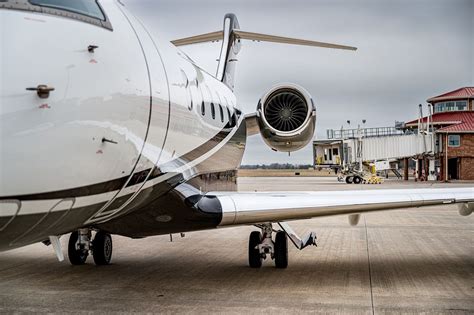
(359, 143)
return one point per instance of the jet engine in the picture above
(466, 209)
(286, 117)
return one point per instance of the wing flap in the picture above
(251, 208)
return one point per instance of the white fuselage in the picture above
(127, 120)
(135, 89)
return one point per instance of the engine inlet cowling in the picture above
(286, 117)
(286, 110)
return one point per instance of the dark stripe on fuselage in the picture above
(89, 190)
(117, 184)
(142, 217)
(95, 189)
(199, 151)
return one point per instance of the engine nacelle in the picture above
(466, 209)
(286, 117)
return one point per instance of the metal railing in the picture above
(365, 132)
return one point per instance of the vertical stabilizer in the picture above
(229, 50)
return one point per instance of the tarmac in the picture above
(404, 261)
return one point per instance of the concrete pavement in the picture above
(404, 261)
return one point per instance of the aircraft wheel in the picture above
(281, 250)
(357, 180)
(76, 257)
(255, 259)
(349, 179)
(102, 248)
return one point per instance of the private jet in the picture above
(109, 129)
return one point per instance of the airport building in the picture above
(453, 125)
(441, 143)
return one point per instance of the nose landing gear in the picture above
(80, 245)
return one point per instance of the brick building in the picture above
(453, 123)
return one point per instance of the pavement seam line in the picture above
(368, 264)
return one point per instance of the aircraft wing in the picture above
(257, 207)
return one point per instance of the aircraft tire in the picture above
(102, 248)
(357, 180)
(76, 257)
(281, 250)
(349, 179)
(255, 259)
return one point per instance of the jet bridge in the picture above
(354, 147)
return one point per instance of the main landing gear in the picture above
(261, 244)
(81, 243)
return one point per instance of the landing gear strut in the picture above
(81, 243)
(261, 245)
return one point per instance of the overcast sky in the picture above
(407, 52)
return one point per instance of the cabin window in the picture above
(221, 112)
(454, 140)
(238, 113)
(85, 7)
(213, 111)
(203, 108)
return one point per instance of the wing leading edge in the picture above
(258, 207)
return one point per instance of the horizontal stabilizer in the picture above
(202, 38)
(216, 36)
(288, 40)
